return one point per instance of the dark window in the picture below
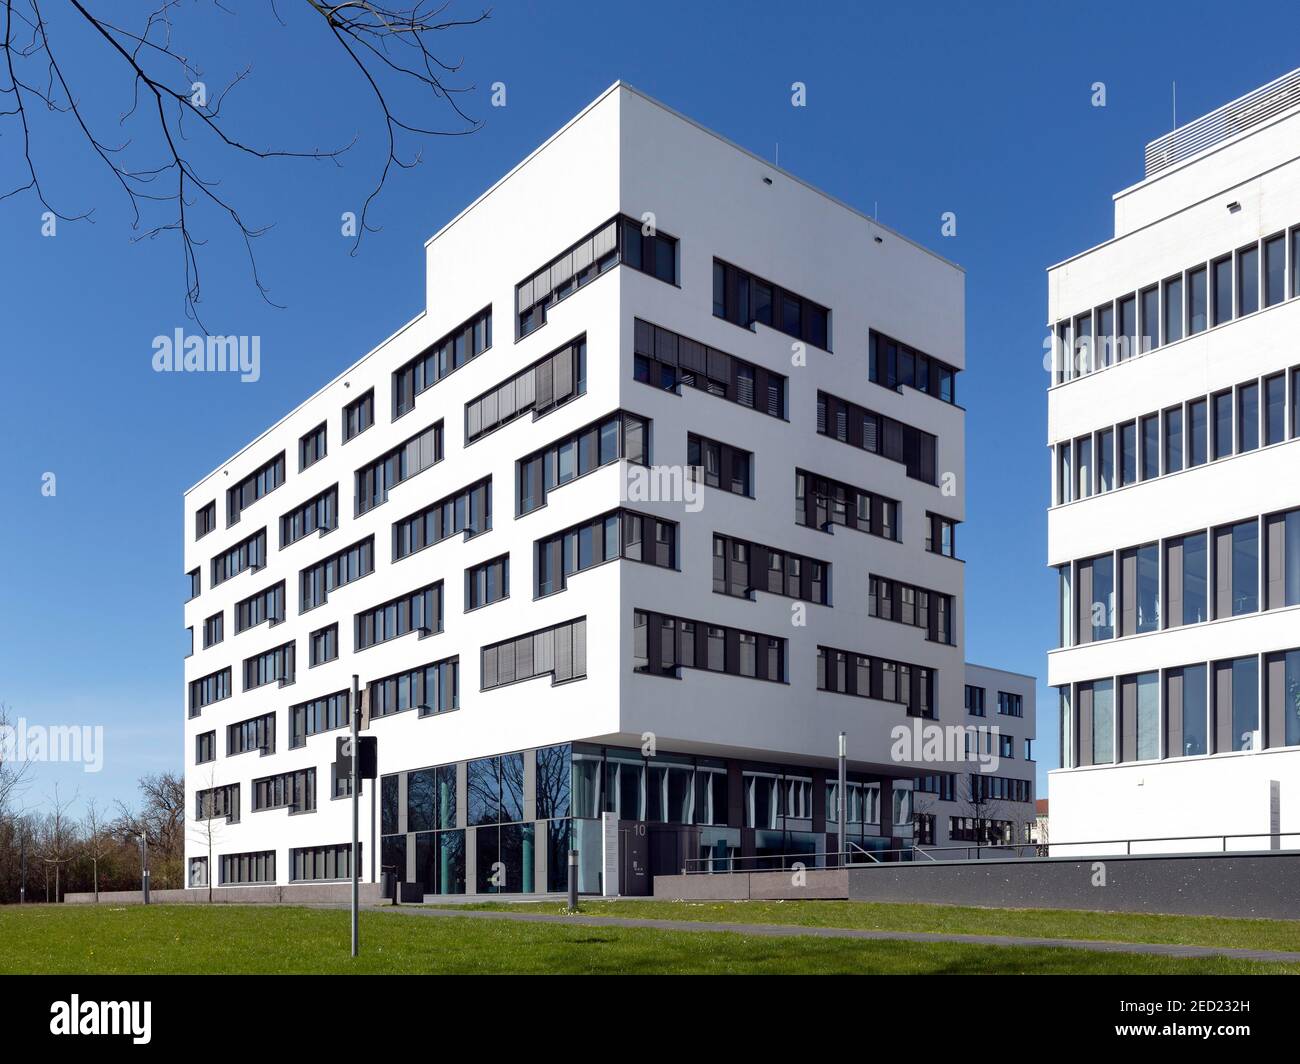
(349, 564)
(467, 512)
(376, 479)
(894, 364)
(358, 415)
(324, 644)
(205, 520)
(431, 689)
(847, 672)
(312, 447)
(548, 383)
(741, 569)
(260, 482)
(617, 534)
(822, 503)
(670, 362)
(719, 465)
(559, 652)
(860, 427)
(463, 344)
(318, 514)
(663, 644)
(487, 582)
(620, 435)
(743, 299)
(417, 611)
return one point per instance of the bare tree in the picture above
(58, 837)
(15, 772)
(974, 802)
(161, 820)
(167, 144)
(207, 827)
(96, 841)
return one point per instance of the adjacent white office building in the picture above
(658, 496)
(1173, 420)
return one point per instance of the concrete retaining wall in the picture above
(293, 894)
(1245, 885)
(822, 884)
(1264, 885)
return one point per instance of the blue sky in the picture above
(983, 110)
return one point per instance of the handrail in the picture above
(852, 856)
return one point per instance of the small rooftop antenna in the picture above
(778, 153)
(1175, 91)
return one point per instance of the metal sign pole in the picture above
(356, 809)
(843, 795)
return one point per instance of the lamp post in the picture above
(144, 867)
(843, 795)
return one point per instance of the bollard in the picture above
(573, 879)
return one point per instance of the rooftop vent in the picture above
(1224, 122)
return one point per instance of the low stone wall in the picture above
(292, 894)
(826, 883)
(1260, 885)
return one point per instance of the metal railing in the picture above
(1223, 122)
(860, 856)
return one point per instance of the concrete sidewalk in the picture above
(794, 931)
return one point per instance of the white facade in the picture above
(623, 155)
(1175, 460)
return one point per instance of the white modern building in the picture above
(657, 497)
(1175, 527)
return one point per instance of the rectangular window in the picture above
(1128, 456)
(213, 630)
(487, 582)
(1236, 568)
(662, 645)
(328, 713)
(1173, 439)
(358, 415)
(931, 611)
(1275, 409)
(248, 554)
(1247, 417)
(1126, 341)
(1140, 590)
(620, 435)
(1150, 318)
(823, 504)
(559, 652)
(463, 344)
(751, 567)
(940, 535)
(1295, 261)
(205, 747)
(205, 520)
(1064, 473)
(1103, 721)
(1105, 460)
(209, 689)
(1197, 301)
(1282, 699)
(1223, 308)
(1011, 704)
(894, 364)
(744, 299)
(265, 606)
(881, 435)
(1096, 598)
(312, 447)
(1248, 280)
(318, 514)
(324, 645)
(218, 802)
(547, 384)
(1222, 403)
(376, 479)
(309, 864)
(1186, 580)
(294, 791)
(719, 465)
(271, 666)
(467, 512)
(1274, 270)
(240, 868)
(417, 611)
(195, 582)
(1198, 432)
(349, 564)
(1236, 704)
(1282, 559)
(847, 672)
(669, 361)
(257, 484)
(617, 534)
(974, 700)
(1084, 474)
(622, 239)
(1150, 446)
(1173, 309)
(249, 735)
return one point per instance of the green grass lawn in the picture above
(953, 919)
(244, 939)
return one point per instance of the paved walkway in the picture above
(793, 930)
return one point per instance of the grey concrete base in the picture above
(292, 894)
(1262, 885)
(823, 884)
